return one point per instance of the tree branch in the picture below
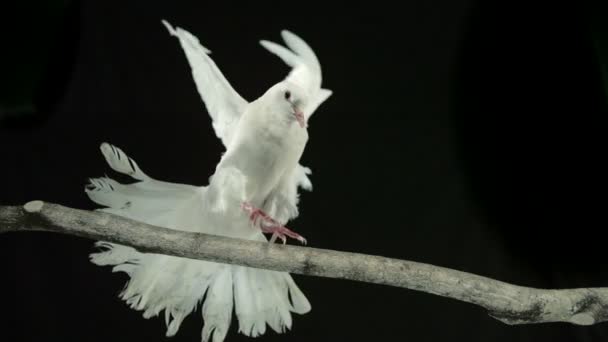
(508, 303)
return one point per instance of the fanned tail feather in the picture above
(120, 162)
(179, 285)
(217, 309)
(262, 297)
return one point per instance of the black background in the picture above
(461, 134)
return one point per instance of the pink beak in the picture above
(300, 117)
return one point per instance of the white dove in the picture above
(256, 181)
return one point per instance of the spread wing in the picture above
(306, 70)
(223, 103)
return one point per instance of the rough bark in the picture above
(508, 303)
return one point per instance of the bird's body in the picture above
(254, 190)
(267, 153)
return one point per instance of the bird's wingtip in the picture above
(168, 26)
(286, 33)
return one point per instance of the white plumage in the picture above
(264, 140)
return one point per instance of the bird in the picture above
(254, 190)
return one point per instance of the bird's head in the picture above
(289, 99)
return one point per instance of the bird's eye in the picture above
(287, 95)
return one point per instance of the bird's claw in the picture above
(282, 233)
(270, 225)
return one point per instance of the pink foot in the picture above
(270, 225)
(281, 232)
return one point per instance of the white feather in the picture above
(177, 285)
(224, 104)
(120, 162)
(261, 166)
(286, 55)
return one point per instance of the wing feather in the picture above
(306, 69)
(223, 103)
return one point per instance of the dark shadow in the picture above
(38, 62)
(530, 113)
